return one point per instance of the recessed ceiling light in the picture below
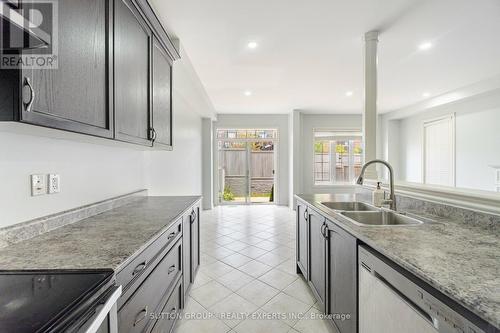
(252, 45)
(247, 93)
(426, 94)
(425, 46)
(349, 93)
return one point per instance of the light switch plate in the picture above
(54, 183)
(38, 185)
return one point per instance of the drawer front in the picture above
(134, 316)
(138, 266)
(168, 316)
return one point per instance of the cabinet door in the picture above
(317, 278)
(186, 248)
(341, 269)
(302, 220)
(195, 241)
(162, 97)
(132, 45)
(76, 96)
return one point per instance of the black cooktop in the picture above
(38, 301)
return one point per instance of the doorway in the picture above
(246, 166)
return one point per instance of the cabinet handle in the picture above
(141, 315)
(171, 269)
(172, 235)
(326, 232)
(306, 215)
(139, 267)
(28, 105)
(193, 216)
(154, 134)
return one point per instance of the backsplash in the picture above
(26, 230)
(418, 206)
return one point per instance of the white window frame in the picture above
(425, 124)
(354, 132)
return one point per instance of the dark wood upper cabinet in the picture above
(77, 96)
(162, 96)
(113, 77)
(132, 45)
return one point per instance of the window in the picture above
(439, 151)
(338, 157)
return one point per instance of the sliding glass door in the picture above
(246, 166)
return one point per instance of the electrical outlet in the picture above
(54, 183)
(38, 185)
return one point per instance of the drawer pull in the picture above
(172, 235)
(193, 216)
(141, 315)
(139, 267)
(171, 269)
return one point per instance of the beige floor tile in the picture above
(287, 307)
(236, 260)
(261, 325)
(300, 290)
(311, 323)
(200, 280)
(289, 266)
(234, 280)
(257, 292)
(271, 259)
(210, 293)
(233, 309)
(252, 251)
(255, 268)
(277, 279)
(216, 269)
(236, 246)
(267, 245)
(223, 240)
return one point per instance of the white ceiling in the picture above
(311, 52)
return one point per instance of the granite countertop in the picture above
(460, 260)
(106, 240)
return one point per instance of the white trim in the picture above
(477, 200)
(432, 121)
(343, 132)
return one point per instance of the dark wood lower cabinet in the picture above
(302, 239)
(331, 269)
(316, 258)
(195, 241)
(186, 256)
(155, 280)
(341, 277)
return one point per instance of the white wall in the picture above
(89, 173)
(477, 140)
(270, 121)
(310, 122)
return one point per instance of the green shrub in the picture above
(228, 195)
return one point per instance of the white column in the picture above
(370, 111)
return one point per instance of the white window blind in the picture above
(439, 152)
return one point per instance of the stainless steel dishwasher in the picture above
(389, 302)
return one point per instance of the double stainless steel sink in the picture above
(364, 214)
